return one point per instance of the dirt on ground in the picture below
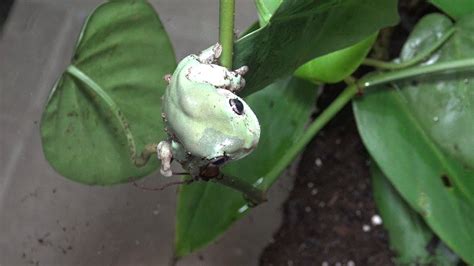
(327, 218)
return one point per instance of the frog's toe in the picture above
(163, 150)
(167, 78)
(242, 70)
(166, 172)
(211, 54)
(217, 48)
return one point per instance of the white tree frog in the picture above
(207, 124)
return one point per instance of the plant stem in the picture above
(415, 60)
(312, 130)
(148, 151)
(348, 94)
(226, 31)
(386, 77)
(253, 195)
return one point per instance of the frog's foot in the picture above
(163, 150)
(242, 70)
(211, 54)
(167, 78)
(235, 88)
(237, 83)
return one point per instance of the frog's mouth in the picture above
(220, 160)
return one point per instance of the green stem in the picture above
(348, 94)
(253, 195)
(95, 90)
(415, 60)
(226, 31)
(312, 130)
(148, 151)
(386, 77)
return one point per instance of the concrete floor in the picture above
(48, 220)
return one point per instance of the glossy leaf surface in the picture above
(417, 131)
(265, 9)
(302, 30)
(329, 68)
(444, 107)
(455, 8)
(206, 210)
(410, 238)
(338, 65)
(123, 51)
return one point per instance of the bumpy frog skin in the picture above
(207, 124)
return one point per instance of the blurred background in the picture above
(46, 219)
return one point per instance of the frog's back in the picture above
(200, 117)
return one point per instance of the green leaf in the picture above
(265, 9)
(250, 29)
(443, 255)
(336, 66)
(329, 68)
(206, 210)
(403, 129)
(455, 8)
(408, 233)
(444, 108)
(108, 100)
(302, 30)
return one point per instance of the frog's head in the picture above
(235, 132)
(214, 125)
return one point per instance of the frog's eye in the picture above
(237, 106)
(219, 160)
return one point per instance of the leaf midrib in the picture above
(429, 141)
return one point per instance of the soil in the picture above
(328, 215)
(327, 218)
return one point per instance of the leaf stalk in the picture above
(226, 31)
(370, 80)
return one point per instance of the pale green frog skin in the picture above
(206, 122)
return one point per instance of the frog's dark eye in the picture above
(219, 160)
(237, 106)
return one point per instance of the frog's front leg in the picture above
(238, 83)
(241, 70)
(217, 76)
(164, 152)
(211, 54)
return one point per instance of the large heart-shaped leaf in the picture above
(106, 107)
(403, 129)
(206, 210)
(302, 30)
(410, 237)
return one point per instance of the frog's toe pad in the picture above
(242, 70)
(163, 150)
(166, 172)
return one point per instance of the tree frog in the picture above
(207, 123)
